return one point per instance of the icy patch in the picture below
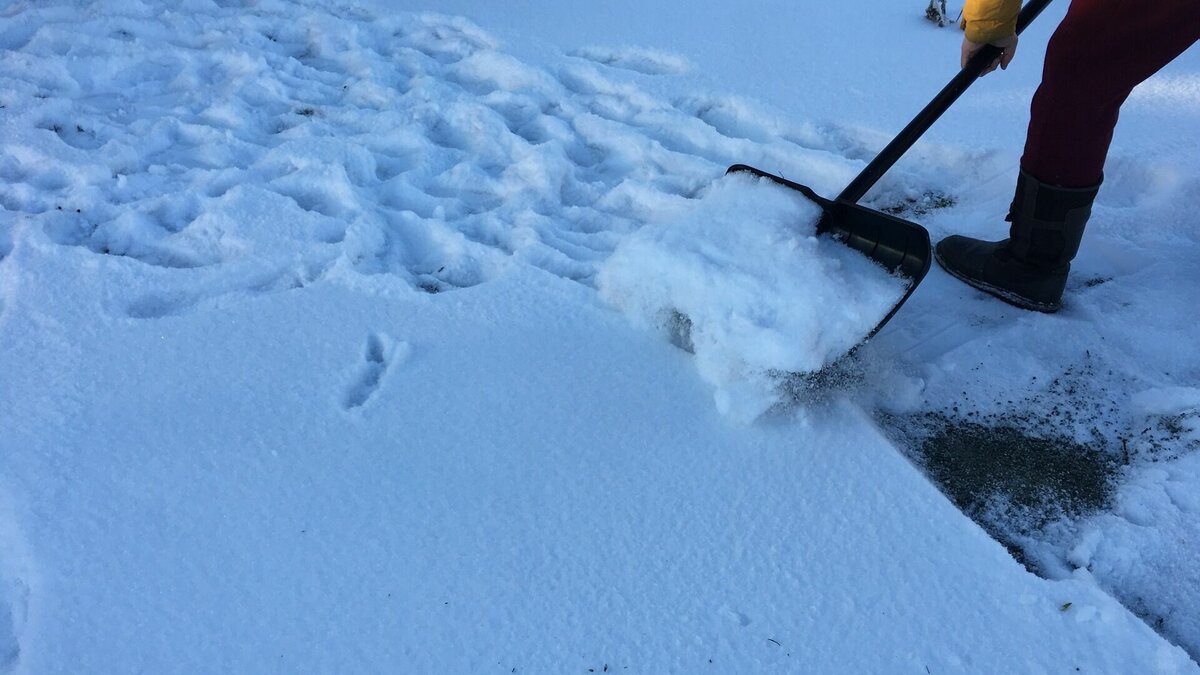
(764, 294)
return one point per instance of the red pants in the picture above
(1100, 52)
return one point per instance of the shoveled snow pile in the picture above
(763, 293)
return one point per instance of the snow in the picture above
(352, 501)
(306, 362)
(763, 294)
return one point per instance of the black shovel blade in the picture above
(899, 246)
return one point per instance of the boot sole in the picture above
(997, 292)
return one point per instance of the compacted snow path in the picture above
(304, 367)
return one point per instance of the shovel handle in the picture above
(940, 104)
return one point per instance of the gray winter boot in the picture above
(1029, 269)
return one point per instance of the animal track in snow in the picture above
(379, 357)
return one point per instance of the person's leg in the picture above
(1100, 52)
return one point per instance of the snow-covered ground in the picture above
(305, 364)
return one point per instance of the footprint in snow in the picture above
(14, 599)
(74, 135)
(381, 354)
(645, 61)
(736, 617)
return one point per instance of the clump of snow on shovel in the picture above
(764, 294)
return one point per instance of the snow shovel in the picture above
(898, 245)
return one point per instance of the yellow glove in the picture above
(990, 21)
